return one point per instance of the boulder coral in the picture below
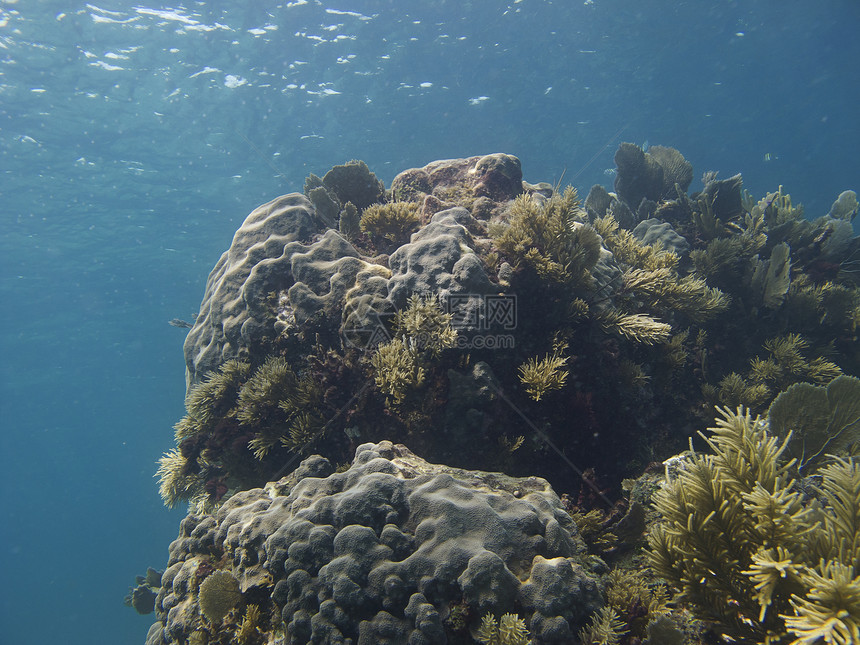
(381, 552)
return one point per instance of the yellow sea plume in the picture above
(544, 375)
(747, 550)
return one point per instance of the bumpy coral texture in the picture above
(440, 258)
(232, 313)
(380, 553)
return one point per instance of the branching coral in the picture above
(234, 416)
(706, 220)
(742, 544)
(663, 289)
(631, 603)
(604, 628)
(651, 281)
(422, 322)
(274, 400)
(209, 401)
(422, 331)
(397, 368)
(544, 375)
(550, 238)
(249, 627)
(630, 251)
(787, 364)
(174, 481)
(776, 209)
(825, 305)
(639, 328)
(349, 221)
(510, 630)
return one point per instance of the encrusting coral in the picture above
(744, 545)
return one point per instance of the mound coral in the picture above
(379, 553)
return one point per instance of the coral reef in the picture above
(494, 324)
(647, 286)
(381, 553)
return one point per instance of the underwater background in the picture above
(135, 138)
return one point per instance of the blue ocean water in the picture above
(135, 137)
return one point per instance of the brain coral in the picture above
(231, 315)
(382, 552)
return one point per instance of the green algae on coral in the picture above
(390, 223)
